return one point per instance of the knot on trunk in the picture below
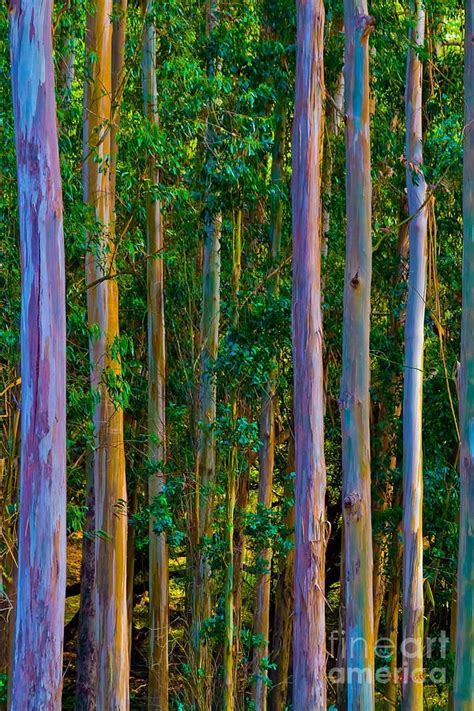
(355, 280)
(365, 24)
(352, 502)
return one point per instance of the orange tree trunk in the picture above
(309, 637)
(158, 552)
(354, 400)
(464, 666)
(412, 682)
(38, 643)
(102, 304)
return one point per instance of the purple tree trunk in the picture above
(38, 644)
(309, 638)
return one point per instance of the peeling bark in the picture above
(309, 638)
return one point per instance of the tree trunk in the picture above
(354, 400)
(102, 304)
(158, 552)
(267, 429)
(229, 648)
(206, 449)
(39, 629)
(412, 682)
(229, 676)
(464, 668)
(119, 29)
(309, 638)
(284, 601)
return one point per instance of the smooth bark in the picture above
(158, 552)
(38, 644)
(111, 627)
(354, 399)
(231, 496)
(412, 681)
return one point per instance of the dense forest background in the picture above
(215, 154)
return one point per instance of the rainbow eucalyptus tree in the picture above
(309, 637)
(38, 643)
(209, 335)
(412, 681)
(231, 493)
(110, 494)
(464, 666)
(158, 552)
(354, 399)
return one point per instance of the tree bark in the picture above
(39, 629)
(354, 400)
(412, 681)
(229, 647)
(206, 448)
(102, 305)
(464, 666)
(119, 29)
(309, 638)
(158, 552)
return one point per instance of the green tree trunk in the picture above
(354, 399)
